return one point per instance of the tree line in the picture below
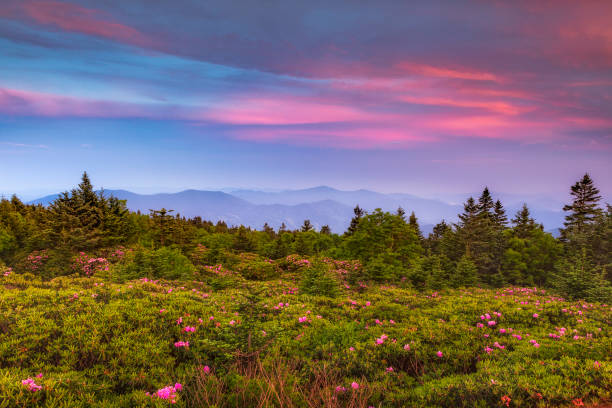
(485, 247)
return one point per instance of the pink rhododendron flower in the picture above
(406, 346)
(354, 385)
(32, 386)
(439, 354)
(491, 323)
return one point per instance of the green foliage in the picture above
(465, 273)
(577, 278)
(319, 280)
(253, 267)
(102, 344)
(164, 263)
(383, 238)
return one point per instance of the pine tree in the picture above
(523, 223)
(325, 230)
(485, 203)
(499, 215)
(307, 226)
(465, 273)
(414, 223)
(359, 213)
(583, 210)
(401, 212)
(467, 223)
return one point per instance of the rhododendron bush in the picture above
(83, 341)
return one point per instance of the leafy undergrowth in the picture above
(77, 342)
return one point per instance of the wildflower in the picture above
(206, 369)
(189, 329)
(502, 331)
(232, 322)
(597, 364)
(340, 389)
(179, 344)
(178, 386)
(351, 348)
(506, 400)
(439, 354)
(389, 369)
(354, 385)
(491, 323)
(578, 402)
(535, 315)
(406, 346)
(32, 386)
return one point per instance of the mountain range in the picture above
(321, 205)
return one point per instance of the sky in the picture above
(433, 98)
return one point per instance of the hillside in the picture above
(90, 342)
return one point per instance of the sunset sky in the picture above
(428, 98)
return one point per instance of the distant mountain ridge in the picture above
(321, 205)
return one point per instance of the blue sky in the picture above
(424, 97)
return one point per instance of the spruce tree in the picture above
(414, 223)
(499, 215)
(307, 226)
(583, 210)
(359, 213)
(401, 212)
(523, 223)
(325, 230)
(485, 203)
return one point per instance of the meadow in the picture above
(306, 336)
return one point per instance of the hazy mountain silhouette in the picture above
(321, 205)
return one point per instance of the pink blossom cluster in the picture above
(381, 339)
(32, 386)
(189, 329)
(35, 260)
(179, 344)
(168, 393)
(83, 263)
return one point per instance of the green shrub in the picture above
(319, 280)
(164, 263)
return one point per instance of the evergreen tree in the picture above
(307, 226)
(485, 203)
(401, 212)
(325, 230)
(467, 224)
(414, 223)
(163, 221)
(359, 213)
(465, 273)
(499, 215)
(583, 211)
(523, 223)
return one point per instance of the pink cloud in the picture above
(73, 18)
(282, 110)
(445, 72)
